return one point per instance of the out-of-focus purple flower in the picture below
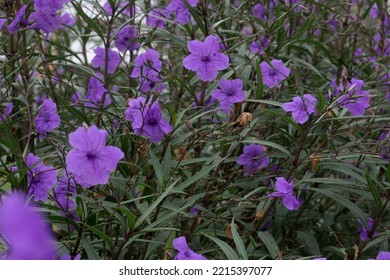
(275, 74)
(259, 11)
(147, 120)
(24, 230)
(229, 92)
(49, 4)
(147, 63)
(260, 46)
(100, 59)
(205, 59)
(126, 39)
(90, 160)
(301, 107)
(180, 11)
(155, 18)
(124, 7)
(253, 159)
(365, 230)
(152, 82)
(47, 118)
(76, 97)
(96, 93)
(19, 21)
(284, 190)
(67, 257)
(184, 252)
(382, 44)
(7, 112)
(40, 178)
(332, 22)
(383, 256)
(357, 55)
(63, 193)
(320, 259)
(46, 20)
(355, 99)
(67, 19)
(374, 12)
(384, 148)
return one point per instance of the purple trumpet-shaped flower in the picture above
(253, 159)
(19, 21)
(229, 92)
(365, 230)
(40, 178)
(155, 18)
(63, 193)
(90, 160)
(259, 46)
(126, 39)
(24, 230)
(205, 58)
(301, 107)
(179, 9)
(275, 74)
(147, 63)
(97, 94)
(100, 59)
(383, 256)
(184, 252)
(284, 190)
(47, 118)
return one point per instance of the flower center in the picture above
(205, 59)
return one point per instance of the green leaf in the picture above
(89, 249)
(309, 240)
(270, 243)
(100, 234)
(228, 251)
(157, 169)
(374, 190)
(238, 241)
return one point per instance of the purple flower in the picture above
(76, 97)
(384, 149)
(49, 4)
(147, 63)
(67, 19)
(47, 118)
(19, 21)
(126, 39)
(46, 20)
(7, 112)
(229, 92)
(205, 59)
(67, 257)
(275, 74)
(284, 190)
(147, 119)
(383, 256)
(152, 82)
(96, 93)
(355, 99)
(260, 46)
(259, 11)
(40, 178)
(374, 12)
(24, 231)
(127, 11)
(100, 59)
(179, 9)
(365, 230)
(184, 252)
(90, 160)
(63, 193)
(253, 159)
(301, 107)
(155, 18)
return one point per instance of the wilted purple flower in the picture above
(365, 230)
(155, 18)
(90, 160)
(229, 92)
(40, 178)
(100, 59)
(19, 21)
(63, 193)
(253, 159)
(126, 39)
(259, 46)
(147, 120)
(96, 93)
(7, 112)
(147, 63)
(179, 9)
(355, 99)
(184, 252)
(383, 256)
(47, 118)
(24, 230)
(205, 59)
(284, 190)
(301, 107)
(275, 74)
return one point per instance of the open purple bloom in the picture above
(184, 252)
(253, 159)
(49, 4)
(259, 46)
(155, 18)
(179, 9)
(365, 230)
(47, 118)
(301, 107)
(100, 59)
(90, 160)
(19, 21)
(205, 59)
(147, 63)
(147, 120)
(259, 11)
(40, 178)
(229, 92)
(96, 93)
(284, 190)
(355, 99)
(46, 20)
(152, 82)
(275, 74)
(126, 39)
(63, 193)
(383, 256)
(24, 230)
